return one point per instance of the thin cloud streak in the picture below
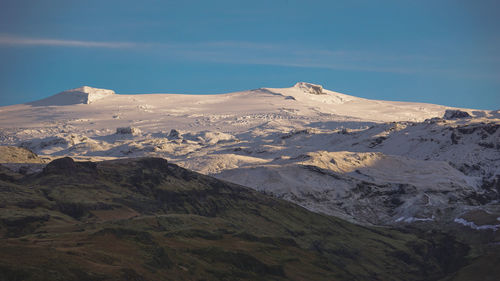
(23, 41)
(252, 53)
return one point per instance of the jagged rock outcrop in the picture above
(174, 134)
(128, 131)
(451, 114)
(310, 88)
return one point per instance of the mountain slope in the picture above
(146, 219)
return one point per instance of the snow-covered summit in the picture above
(82, 95)
(92, 94)
(315, 96)
(101, 108)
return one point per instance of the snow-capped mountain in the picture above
(369, 161)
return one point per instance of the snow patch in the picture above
(413, 219)
(475, 226)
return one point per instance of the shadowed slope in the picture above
(147, 219)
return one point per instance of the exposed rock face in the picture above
(310, 88)
(128, 131)
(174, 134)
(451, 114)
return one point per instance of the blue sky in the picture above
(444, 52)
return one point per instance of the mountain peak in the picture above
(82, 95)
(310, 88)
(92, 94)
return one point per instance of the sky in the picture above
(438, 51)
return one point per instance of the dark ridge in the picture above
(67, 166)
(451, 114)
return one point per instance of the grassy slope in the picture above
(12, 154)
(145, 219)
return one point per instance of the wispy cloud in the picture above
(273, 54)
(24, 41)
